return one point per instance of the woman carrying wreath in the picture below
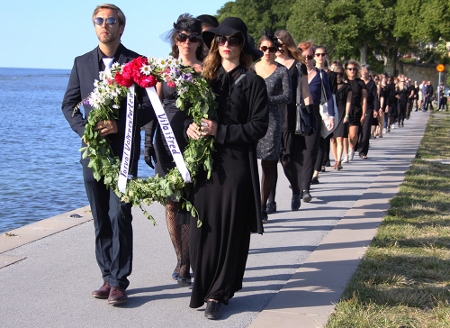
(187, 45)
(228, 203)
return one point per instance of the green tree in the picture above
(259, 15)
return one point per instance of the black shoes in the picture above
(306, 196)
(315, 180)
(295, 202)
(184, 281)
(264, 216)
(212, 310)
(271, 207)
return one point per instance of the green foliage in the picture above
(197, 154)
(259, 15)
(345, 27)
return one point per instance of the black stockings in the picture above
(179, 234)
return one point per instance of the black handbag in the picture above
(303, 126)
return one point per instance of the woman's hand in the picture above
(331, 126)
(207, 128)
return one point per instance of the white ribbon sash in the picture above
(127, 143)
(171, 141)
(168, 135)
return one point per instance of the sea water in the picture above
(40, 170)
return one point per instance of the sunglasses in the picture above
(351, 69)
(182, 37)
(271, 49)
(323, 54)
(309, 57)
(233, 41)
(108, 21)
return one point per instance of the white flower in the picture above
(146, 69)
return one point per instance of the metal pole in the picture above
(439, 92)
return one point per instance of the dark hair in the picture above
(187, 23)
(208, 21)
(269, 36)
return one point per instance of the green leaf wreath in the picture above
(105, 100)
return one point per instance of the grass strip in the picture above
(404, 278)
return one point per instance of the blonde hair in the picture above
(289, 43)
(120, 14)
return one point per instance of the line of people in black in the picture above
(257, 87)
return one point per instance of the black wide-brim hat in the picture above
(232, 26)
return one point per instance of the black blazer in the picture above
(85, 71)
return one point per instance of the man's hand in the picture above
(106, 127)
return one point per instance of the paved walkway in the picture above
(296, 271)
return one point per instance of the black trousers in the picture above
(113, 230)
(364, 133)
(310, 151)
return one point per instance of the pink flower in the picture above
(171, 84)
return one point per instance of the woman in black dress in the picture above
(293, 145)
(373, 105)
(187, 45)
(401, 94)
(344, 101)
(229, 203)
(279, 90)
(359, 104)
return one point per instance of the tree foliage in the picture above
(349, 28)
(259, 15)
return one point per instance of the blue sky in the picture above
(51, 33)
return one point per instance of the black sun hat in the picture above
(232, 26)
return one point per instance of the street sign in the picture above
(440, 68)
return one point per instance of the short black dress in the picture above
(341, 130)
(357, 85)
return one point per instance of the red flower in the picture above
(123, 81)
(147, 81)
(171, 84)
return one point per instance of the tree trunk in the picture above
(363, 53)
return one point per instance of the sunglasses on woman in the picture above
(271, 49)
(182, 37)
(309, 57)
(233, 41)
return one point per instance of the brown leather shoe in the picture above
(117, 296)
(102, 292)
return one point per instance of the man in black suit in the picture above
(112, 218)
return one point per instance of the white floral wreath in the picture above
(105, 101)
